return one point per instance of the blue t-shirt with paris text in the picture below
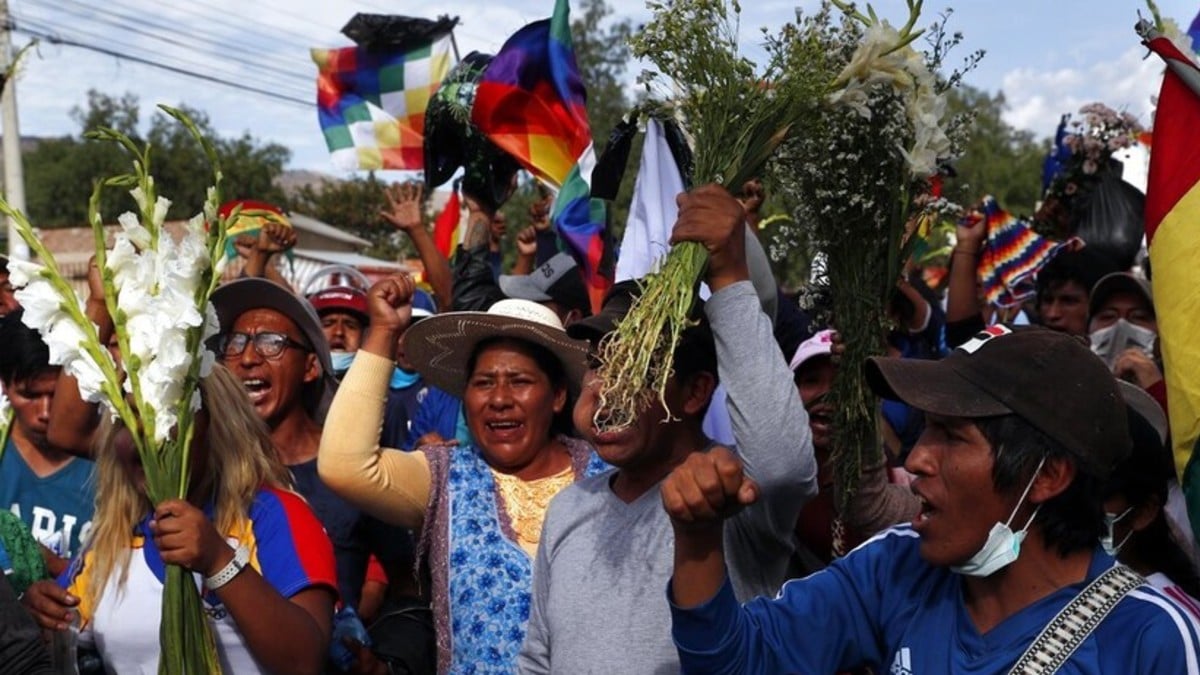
(57, 508)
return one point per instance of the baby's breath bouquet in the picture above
(156, 292)
(854, 181)
(736, 113)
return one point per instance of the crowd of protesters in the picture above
(403, 477)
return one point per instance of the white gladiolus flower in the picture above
(64, 339)
(5, 408)
(210, 204)
(90, 377)
(139, 196)
(212, 324)
(208, 359)
(21, 272)
(137, 233)
(43, 305)
(161, 205)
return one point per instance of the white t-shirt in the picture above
(287, 545)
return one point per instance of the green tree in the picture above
(354, 206)
(60, 172)
(602, 53)
(998, 160)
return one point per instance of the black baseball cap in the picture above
(1050, 379)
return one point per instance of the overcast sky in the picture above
(1048, 57)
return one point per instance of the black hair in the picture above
(1070, 521)
(546, 362)
(24, 354)
(696, 353)
(1085, 267)
(1145, 475)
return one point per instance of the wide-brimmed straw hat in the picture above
(441, 345)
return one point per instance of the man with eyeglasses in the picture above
(273, 342)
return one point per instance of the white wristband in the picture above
(241, 558)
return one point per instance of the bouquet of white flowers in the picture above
(156, 291)
(858, 182)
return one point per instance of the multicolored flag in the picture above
(1173, 235)
(447, 228)
(371, 104)
(1012, 255)
(531, 102)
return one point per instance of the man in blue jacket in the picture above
(1000, 571)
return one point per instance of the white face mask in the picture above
(1003, 546)
(1108, 343)
(1106, 539)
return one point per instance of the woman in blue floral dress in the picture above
(478, 506)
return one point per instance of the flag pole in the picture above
(1187, 72)
(454, 46)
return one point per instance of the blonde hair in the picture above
(240, 460)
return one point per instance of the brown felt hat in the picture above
(1048, 378)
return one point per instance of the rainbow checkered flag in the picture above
(371, 104)
(531, 102)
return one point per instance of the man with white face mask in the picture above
(1123, 330)
(1023, 428)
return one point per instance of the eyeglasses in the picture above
(267, 344)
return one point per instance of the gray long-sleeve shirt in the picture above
(603, 564)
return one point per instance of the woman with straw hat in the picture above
(478, 508)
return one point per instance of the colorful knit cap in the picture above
(1012, 255)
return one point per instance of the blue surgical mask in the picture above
(1106, 539)
(402, 379)
(1003, 546)
(341, 362)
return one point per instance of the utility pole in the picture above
(14, 173)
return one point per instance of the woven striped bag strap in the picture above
(1066, 631)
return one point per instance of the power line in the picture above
(296, 85)
(53, 38)
(203, 43)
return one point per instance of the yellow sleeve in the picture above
(391, 485)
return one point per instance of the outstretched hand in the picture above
(404, 205)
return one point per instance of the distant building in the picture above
(318, 246)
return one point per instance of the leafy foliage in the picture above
(59, 173)
(997, 159)
(354, 205)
